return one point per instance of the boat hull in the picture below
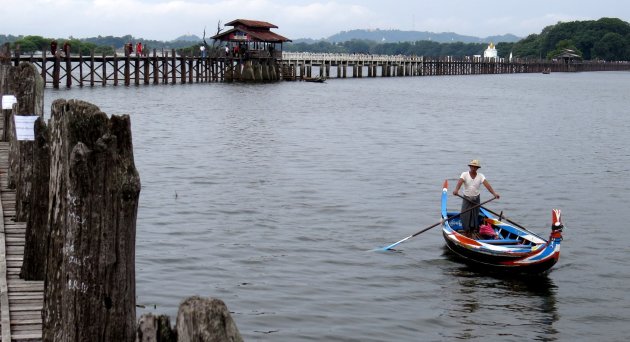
(500, 263)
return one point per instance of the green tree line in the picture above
(100, 44)
(603, 39)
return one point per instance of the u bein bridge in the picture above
(251, 52)
(171, 68)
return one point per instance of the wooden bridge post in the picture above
(164, 67)
(182, 64)
(146, 72)
(198, 69)
(174, 66)
(191, 69)
(56, 71)
(115, 69)
(68, 70)
(127, 71)
(136, 69)
(156, 68)
(92, 69)
(43, 73)
(81, 69)
(104, 71)
(94, 191)
(17, 55)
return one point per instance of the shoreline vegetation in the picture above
(604, 39)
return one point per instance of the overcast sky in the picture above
(169, 19)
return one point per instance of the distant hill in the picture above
(395, 36)
(188, 38)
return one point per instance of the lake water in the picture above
(273, 198)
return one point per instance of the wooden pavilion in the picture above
(250, 39)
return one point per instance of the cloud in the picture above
(168, 19)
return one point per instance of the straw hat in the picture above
(474, 163)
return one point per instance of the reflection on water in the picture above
(506, 307)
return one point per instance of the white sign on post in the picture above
(8, 101)
(25, 127)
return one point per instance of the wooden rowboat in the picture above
(513, 249)
(315, 79)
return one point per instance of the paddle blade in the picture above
(396, 243)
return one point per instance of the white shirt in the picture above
(471, 186)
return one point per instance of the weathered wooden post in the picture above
(37, 234)
(56, 70)
(17, 55)
(81, 76)
(43, 73)
(146, 64)
(94, 190)
(174, 66)
(205, 320)
(164, 67)
(191, 69)
(273, 73)
(182, 67)
(136, 69)
(156, 69)
(257, 71)
(5, 65)
(116, 70)
(28, 87)
(104, 71)
(127, 72)
(198, 66)
(68, 69)
(248, 72)
(155, 328)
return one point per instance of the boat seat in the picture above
(501, 241)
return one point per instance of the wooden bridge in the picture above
(328, 65)
(170, 67)
(21, 301)
(159, 68)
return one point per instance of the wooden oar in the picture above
(435, 225)
(500, 216)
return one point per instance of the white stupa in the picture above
(491, 51)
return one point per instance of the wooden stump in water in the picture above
(258, 72)
(94, 190)
(205, 320)
(155, 329)
(248, 72)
